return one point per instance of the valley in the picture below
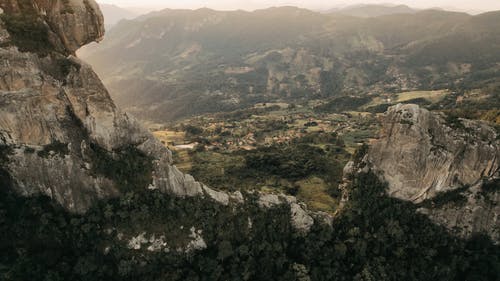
(305, 146)
(360, 143)
(305, 151)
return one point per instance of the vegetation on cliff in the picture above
(374, 238)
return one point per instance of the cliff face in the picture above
(449, 167)
(61, 134)
(66, 24)
(422, 153)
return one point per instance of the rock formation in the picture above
(421, 153)
(61, 135)
(67, 24)
(444, 165)
(57, 119)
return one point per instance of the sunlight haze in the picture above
(471, 6)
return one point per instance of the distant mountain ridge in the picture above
(374, 10)
(113, 14)
(176, 63)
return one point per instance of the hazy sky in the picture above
(471, 5)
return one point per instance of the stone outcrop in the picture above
(441, 164)
(57, 120)
(421, 153)
(68, 24)
(300, 218)
(61, 135)
(471, 211)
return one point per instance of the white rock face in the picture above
(421, 155)
(58, 99)
(300, 218)
(224, 198)
(62, 178)
(479, 214)
(136, 242)
(221, 197)
(158, 243)
(197, 243)
(151, 244)
(269, 200)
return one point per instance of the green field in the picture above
(431, 96)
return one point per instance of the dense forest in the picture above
(373, 238)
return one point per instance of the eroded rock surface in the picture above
(421, 153)
(471, 211)
(60, 132)
(448, 167)
(67, 24)
(61, 135)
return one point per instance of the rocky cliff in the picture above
(422, 153)
(60, 133)
(65, 25)
(448, 166)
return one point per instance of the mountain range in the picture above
(113, 14)
(373, 10)
(175, 63)
(88, 193)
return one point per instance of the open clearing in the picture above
(169, 137)
(432, 96)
